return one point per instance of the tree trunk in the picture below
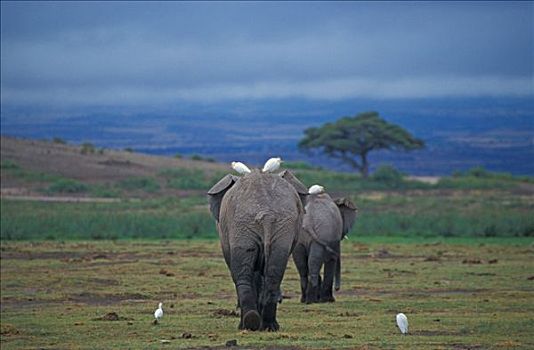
(364, 170)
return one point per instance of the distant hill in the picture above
(30, 164)
(497, 134)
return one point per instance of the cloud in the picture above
(321, 90)
(141, 53)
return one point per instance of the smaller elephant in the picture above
(325, 224)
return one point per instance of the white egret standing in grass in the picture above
(315, 189)
(240, 168)
(272, 165)
(402, 322)
(158, 314)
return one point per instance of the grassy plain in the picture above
(456, 256)
(463, 293)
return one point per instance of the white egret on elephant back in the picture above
(315, 189)
(240, 168)
(272, 165)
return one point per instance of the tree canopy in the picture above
(350, 139)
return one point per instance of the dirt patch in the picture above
(464, 346)
(62, 199)
(225, 313)
(111, 316)
(119, 163)
(472, 261)
(66, 256)
(27, 255)
(431, 333)
(105, 299)
(104, 281)
(225, 347)
(166, 273)
(372, 293)
(7, 330)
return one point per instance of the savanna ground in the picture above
(93, 240)
(457, 293)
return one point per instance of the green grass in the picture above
(142, 183)
(157, 218)
(27, 176)
(406, 213)
(491, 213)
(190, 179)
(67, 186)
(53, 293)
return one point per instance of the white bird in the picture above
(158, 314)
(240, 168)
(402, 322)
(271, 165)
(315, 189)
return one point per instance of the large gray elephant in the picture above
(259, 216)
(325, 224)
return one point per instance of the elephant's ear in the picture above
(216, 193)
(348, 212)
(297, 185)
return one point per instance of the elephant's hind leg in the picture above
(300, 257)
(326, 288)
(315, 261)
(243, 260)
(274, 274)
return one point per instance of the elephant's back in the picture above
(260, 193)
(323, 215)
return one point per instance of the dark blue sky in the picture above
(135, 53)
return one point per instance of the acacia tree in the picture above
(350, 139)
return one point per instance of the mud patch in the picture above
(103, 281)
(105, 299)
(370, 293)
(431, 333)
(111, 316)
(7, 330)
(225, 313)
(464, 346)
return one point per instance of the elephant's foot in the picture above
(327, 299)
(327, 296)
(312, 295)
(251, 320)
(270, 326)
(303, 299)
(311, 300)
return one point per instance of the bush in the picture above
(200, 158)
(300, 165)
(105, 191)
(478, 171)
(9, 164)
(67, 186)
(87, 148)
(59, 140)
(129, 150)
(193, 179)
(178, 156)
(388, 175)
(146, 184)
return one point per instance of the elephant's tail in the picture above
(266, 222)
(316, 238)
(338, 273)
